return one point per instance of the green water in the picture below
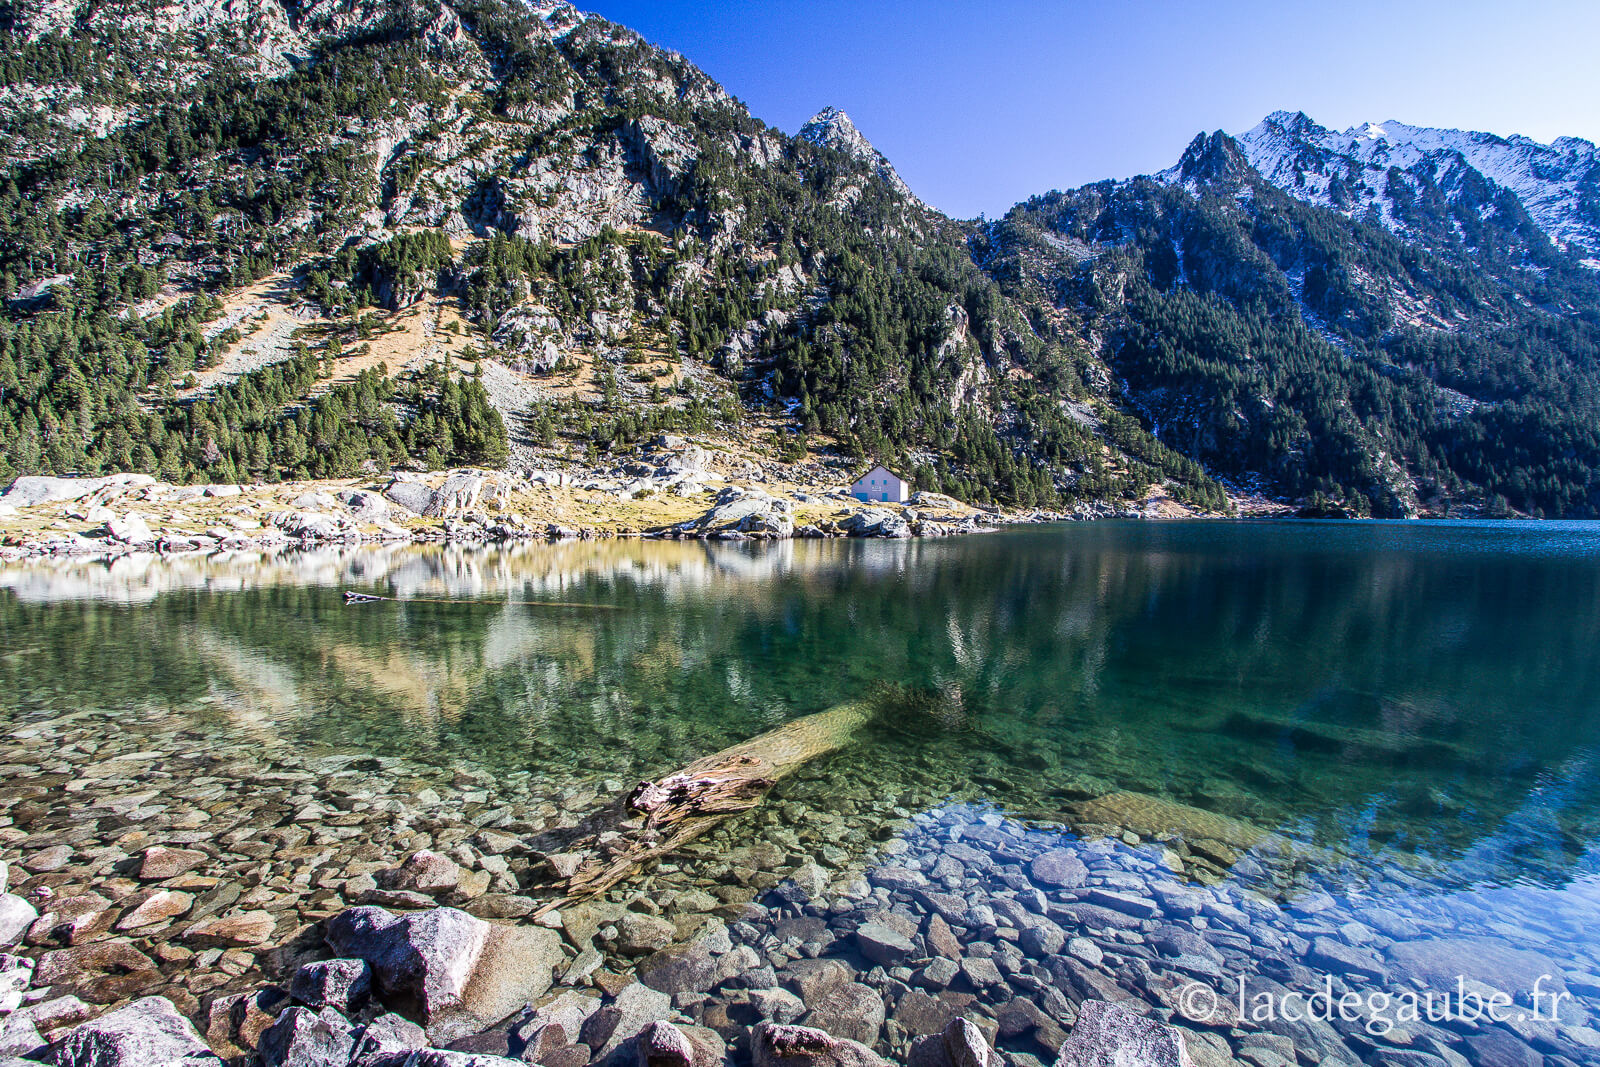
(1390, 689)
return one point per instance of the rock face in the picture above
(1108, 1035)
(146, 1033)
(832, 128)
(452, 972)
(739, 513)
(30, 490)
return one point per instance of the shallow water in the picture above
(1406, 711)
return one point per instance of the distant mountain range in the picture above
(240, 237)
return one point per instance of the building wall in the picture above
(879, 486)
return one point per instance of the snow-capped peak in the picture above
(1349, 170)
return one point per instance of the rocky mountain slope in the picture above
(585, 239)
(256, 240)
(1438, 353)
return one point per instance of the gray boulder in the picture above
(569, 1011)
(881, 944)
(452, 972)
(876, 522)
(1058, 868)
(635, 1007)
(367, 506)
(386, 1036)
(743, 511)
(16, 915)
(309, 525)
(1109, 1035)
(145, 1033)
(19, 1037)
(663, 1045)
(459, 492)
(414, 497)
(314, 501)
(849, 1010)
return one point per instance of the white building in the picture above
(880, 484)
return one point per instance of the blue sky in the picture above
(984, 103)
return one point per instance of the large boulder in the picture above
(460, 492)
(635, 1007)
(849, 1010)
(1109, 1035)
(750, 512)
(146, 1033)
(385, 1036)
(452, 972)
(341, 984)
(309, 525)
(876, 522)
(413, 496)
(961, 1044)
(16, 915)
(772, 1045)
(366, 506)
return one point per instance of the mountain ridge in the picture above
(489, 231)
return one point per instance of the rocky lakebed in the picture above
(178, 897)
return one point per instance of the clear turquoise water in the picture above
(1415, 705)
(1389, 689)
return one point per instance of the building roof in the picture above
(877, 467)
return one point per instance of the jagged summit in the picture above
(1349, 170)
(832, 128)
(1212, 159)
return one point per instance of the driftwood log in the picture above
(661, 815)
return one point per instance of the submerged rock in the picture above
(773, 1045)
(1151, 816)
(1109, 1035)
(454, 973)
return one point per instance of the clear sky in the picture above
(984, 103)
